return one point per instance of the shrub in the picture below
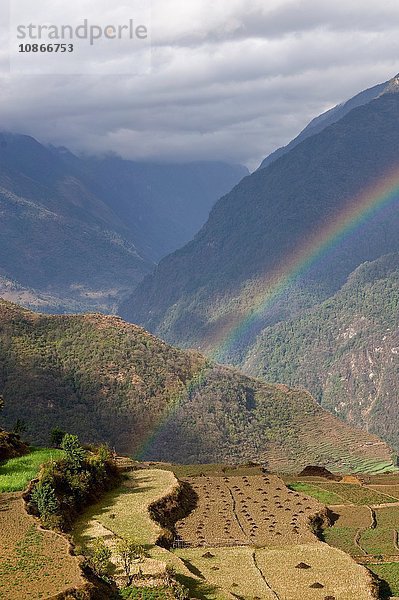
(75, 481)
(129, 553)
(74, 452)
(44, 498)
(99, 557)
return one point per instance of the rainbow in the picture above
(358, 211)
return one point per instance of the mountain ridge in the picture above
(109, 381)
(78, 233)
(252, 230)
(345, 350)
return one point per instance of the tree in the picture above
(99, 557)
(129, 553)
(56, 437)
(75, 454)
(20, 427)
(45, 499)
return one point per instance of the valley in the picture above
(106, 221)
(269, 529)
(199, 364)
(296, 269)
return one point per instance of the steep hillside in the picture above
(328, 118)
(109, 381)
(255, 235)
(345, 351)
(80, 233)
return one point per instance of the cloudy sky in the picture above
(230, 79)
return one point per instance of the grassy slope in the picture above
(123, 514)
(76, 371)
(124, 511)
(16, 473)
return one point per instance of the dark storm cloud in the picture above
(228, 82)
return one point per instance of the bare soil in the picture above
(33, 563)
(250, 510)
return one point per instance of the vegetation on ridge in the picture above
(111, 382)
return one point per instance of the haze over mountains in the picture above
(199, 294)
(79, 233)
(331, 327)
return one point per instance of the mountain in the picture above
(163, 205)
(261, 236)
(345, 351)
(328, 118)
(106, 380)
(80, 233)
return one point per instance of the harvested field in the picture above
(273, 573)
(339, 575)
(385, 479)
(33, 563)
(231, 569)
(183, 471)
(254, 510)
(358, 517)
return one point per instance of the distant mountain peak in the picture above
(392, 86)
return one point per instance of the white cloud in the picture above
(228, 82)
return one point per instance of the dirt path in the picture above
(360, 532)
(356, 541)
(257, 567)
(234, 510)
(387, 505)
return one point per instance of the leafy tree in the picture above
(74, 452)
(99, 558)
(20, 427)
(129, 553)
(56, 437)
(43, 496)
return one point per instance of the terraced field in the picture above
(34, 564)
(245, 535)
(257, 523)
(366, 522)
(306, 571)
(124, 511)
(254, 510)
